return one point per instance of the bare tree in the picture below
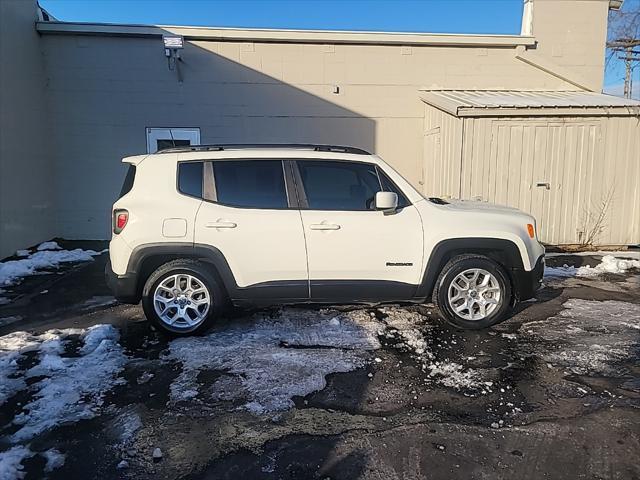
(623, 41)
(594, 219)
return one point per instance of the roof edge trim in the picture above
(283, 36)
(510, 103)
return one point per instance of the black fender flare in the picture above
(502, 250)
(136, 266)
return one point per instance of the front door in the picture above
(253, 223)
(355, 252)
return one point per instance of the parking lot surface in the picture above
(89, 390)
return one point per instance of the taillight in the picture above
(120, 219)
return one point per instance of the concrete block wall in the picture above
(27, 205)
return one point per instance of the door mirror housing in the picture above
(386, 201)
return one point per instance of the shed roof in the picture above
(476, 103)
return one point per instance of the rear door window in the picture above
(190, 178)
(250, 183)
(127, 185)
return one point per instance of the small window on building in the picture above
(250, 183)
(339, 185)
(190, 178)
(161, 138)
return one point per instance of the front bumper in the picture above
(123, 287)
(526, 283)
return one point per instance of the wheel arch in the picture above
(503, 251)
(145, 259)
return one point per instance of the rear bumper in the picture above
(123, 287)
(526, 283)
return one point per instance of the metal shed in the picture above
(572, 159)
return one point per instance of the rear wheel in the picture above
(473, 292)
(182, 297)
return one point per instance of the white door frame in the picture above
(170, 133)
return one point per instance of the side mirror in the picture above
(386, 201)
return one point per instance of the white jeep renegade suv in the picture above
(199, 227)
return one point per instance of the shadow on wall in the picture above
(245, 105)
(104, 92)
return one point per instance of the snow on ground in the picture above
(73, 386)
(48, 246)
(11, 467)
(11, 462)
(609, 264)
(408, 330)
(268, 360)
(124, 427)
(54, 459)
(72, 370)
(407, 327)
(272, 359)
(454, 375)
(631, 254)
(13, 348)
(47, 255)
(589, 337)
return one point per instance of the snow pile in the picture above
(409, 332)
(453, 375)
(47, 255)
(11, 462)
(125, 427)
(13, 347)
(589, 337)
(74, 386)
(609, 264)
(71, 387)
(270, 360)
(267, 360)
(48, 246)
(11, 467)
(406, 328)
(54, 458)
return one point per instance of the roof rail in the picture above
(240, 146)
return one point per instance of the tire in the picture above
(495, 297)
(194, 297)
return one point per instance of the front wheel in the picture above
(473, 292)
(182, 297)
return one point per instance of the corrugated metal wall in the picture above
(442, 158)
(591, 166)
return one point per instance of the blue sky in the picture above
(448, 16)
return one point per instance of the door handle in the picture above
(546, 185)
(324, 226)
(220, 224)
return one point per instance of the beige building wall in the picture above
(26, 170)
(106, 84)
(572, 36)
(104, 91)
(592, 166)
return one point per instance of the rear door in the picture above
(251, 217)
(356, 252)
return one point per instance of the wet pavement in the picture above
(378, 393)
